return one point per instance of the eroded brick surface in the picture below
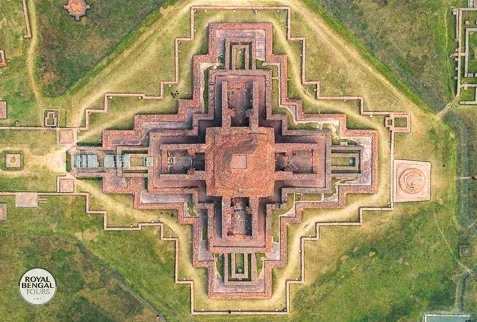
(76, 8)
(234, 161)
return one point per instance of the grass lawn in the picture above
(463, 120)
(87, 288)
(412, 38)
(14, 86)
(42, 161)
(107, 276)
(398, 273)
(64, 56)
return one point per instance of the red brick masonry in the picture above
(3, 59)
(233, 161)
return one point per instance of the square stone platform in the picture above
(13, 160)
(66, 137)
(412, 181)
(66, 185)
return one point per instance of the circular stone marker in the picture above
(412, 181)
(37, 286)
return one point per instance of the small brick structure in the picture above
(3, 59)
(27, 20)
(65, 185)
(76, 8)
(412, 181)
(3, 211)
(3, 110)
(399, 122)
(13, 160)
(66, 137)
(50, 118)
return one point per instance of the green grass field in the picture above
(412, 38)
(98, 273)
(420, 278)
(14, 85)
(463, 121)
(68, 50)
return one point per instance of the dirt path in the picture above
(452, 104)
(120, 209)
(95, 93)
(32, 53)
(54, 161)
(444, 111)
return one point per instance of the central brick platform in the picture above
(240, 162)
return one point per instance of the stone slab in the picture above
(26, 200)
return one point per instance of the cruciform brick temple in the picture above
(228, 158)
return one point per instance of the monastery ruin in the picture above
(225, 162)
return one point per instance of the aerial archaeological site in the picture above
(304, 160)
